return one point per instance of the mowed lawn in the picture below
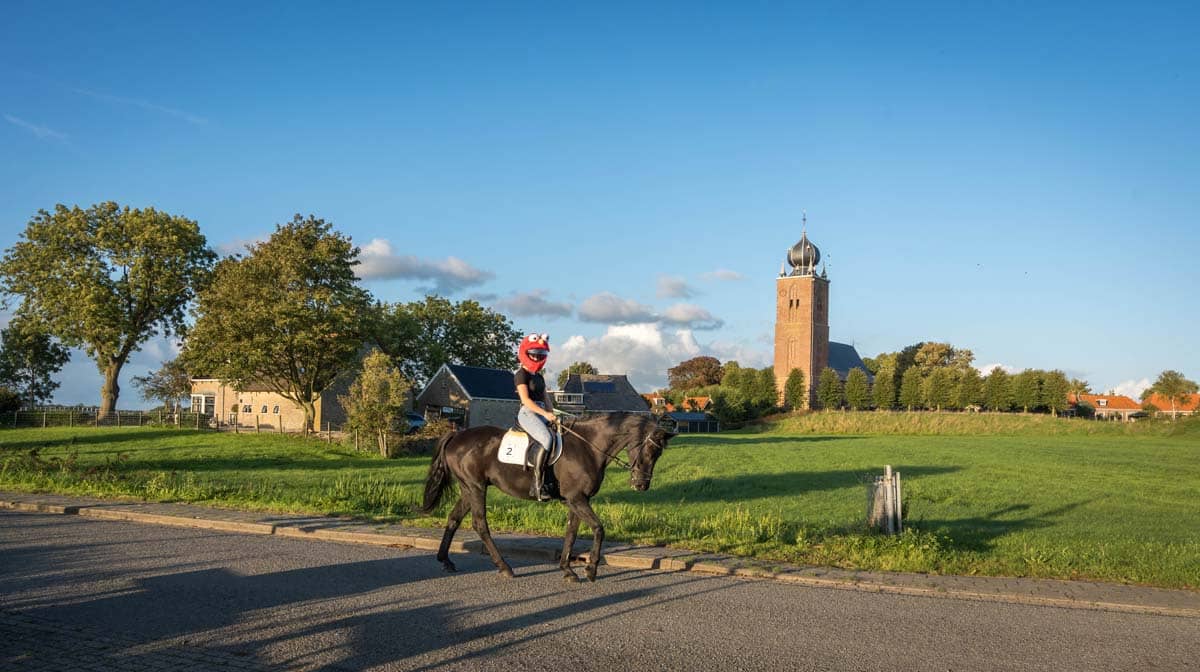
(1053, 498)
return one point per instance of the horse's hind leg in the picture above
(583, 509)
(564, 559)
(456, 515)
(479, 522)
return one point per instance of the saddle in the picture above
(514, 449)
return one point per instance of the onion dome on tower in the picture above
(804, 256)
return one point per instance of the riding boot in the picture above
(538, 491)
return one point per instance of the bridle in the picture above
(637, 475)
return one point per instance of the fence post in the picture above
(44, 413)
(141, 418)
(279, 422)
(14, 419)
(257, 429)
(197, 421)
(70, 418)
(118, 417)
(236, 424)
(356, 440)
(328, 432)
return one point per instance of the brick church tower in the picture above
(801, 317)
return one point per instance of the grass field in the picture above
(992, 495)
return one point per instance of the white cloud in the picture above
(532, 304)
(1132, 388)
(670, 287)
(641, 351)
(724, 274)
(449, 276)
(42, 132)
(692, 317)
(985, 369)
(608, 308)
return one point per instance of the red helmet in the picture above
(533, 351)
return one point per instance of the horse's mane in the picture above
(619, 425)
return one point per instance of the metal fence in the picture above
(85, 418)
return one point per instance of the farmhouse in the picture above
(689, 422)
(599, 393)
(258, 406)
(1108, 406)
(1187, 407)
(470, 396)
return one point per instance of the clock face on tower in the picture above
(782, 292)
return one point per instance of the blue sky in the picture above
(1020, 179)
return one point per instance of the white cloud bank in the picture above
(533, 304)
(1132, 388)
(608, 308)
(671, 287)
(449, 276)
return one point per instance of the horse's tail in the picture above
(439, 476)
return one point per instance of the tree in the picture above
(884, 390)
(107, 279)
(377, 399)
(795, 394)
(997, 390)
(168, 384)
(970, 388)
(910, 388)
(289, 316)
(1027, 389)
(829, 389)
(421, 336)
(764, 394)
(939, 388)
(28, 359)
(575, 367)
(695, 372)
(1055, 388)
(9, 401)
(1172, 386)
(858, 390)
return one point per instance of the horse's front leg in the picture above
(564, 559)
(583, 509)
(456, 515)
(478, 499)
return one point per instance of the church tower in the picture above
(801, 317)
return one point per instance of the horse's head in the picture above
(645, 454)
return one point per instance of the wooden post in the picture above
(236, 424)
(118, 417)
(14, 419)
(385, 444)
(279, 422)
(356, 440)
(70, 417)
(44, 413)
(141, 418)
(197, 421)
(257, 427)
(328, 433)
(899, 506)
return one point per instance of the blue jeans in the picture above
(535, 426)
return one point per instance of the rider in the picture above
(536, 409)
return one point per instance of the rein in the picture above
(615, 457)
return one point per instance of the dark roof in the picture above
(481, 383)
(605, 392)
(681, 416)
(844, 357)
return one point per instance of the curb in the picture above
(1035, 592)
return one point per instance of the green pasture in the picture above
(991, 495)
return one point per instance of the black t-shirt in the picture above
(536, 383)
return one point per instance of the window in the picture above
(1102, 402)
(264, 411)
(246, 408)
(568, 397)
(276, 411)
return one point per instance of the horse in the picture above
(589, 444)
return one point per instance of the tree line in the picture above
(288, 313)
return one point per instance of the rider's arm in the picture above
(523, 393)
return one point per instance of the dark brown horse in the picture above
(589, 444)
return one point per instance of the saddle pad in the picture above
(514, 449)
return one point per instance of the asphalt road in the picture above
(78, 594)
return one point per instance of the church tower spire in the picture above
(802, 316)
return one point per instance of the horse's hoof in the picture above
(507, 572)
(449, 567)
(591, 573)
(570, 577)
